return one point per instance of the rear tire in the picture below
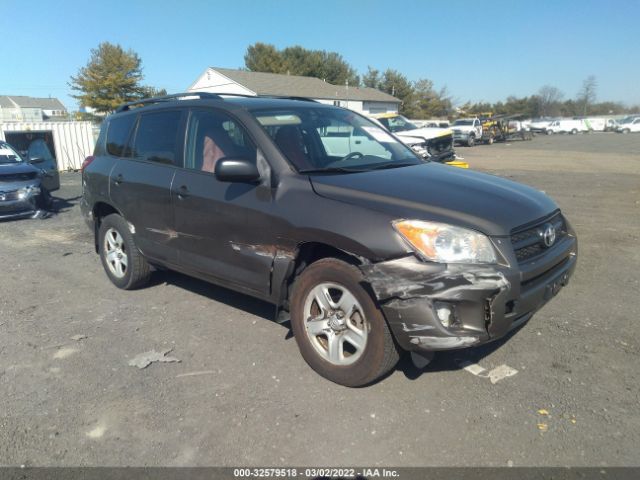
(626, 130)
(122, 261)
(324, 331)
(574, 132)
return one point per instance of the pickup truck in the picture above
(467, 131)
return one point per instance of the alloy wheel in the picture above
(335, 323)
(115, 253)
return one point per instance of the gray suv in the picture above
(368, 249)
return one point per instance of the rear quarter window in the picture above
(118, 133)
(158, 137)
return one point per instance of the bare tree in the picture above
(587, 94)
(548, 100)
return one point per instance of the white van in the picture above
(566, 126)
(596, 124)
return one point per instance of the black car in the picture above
(368, 248)
(25, 185)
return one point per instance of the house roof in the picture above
(298, 86)
(5, 102)
(10, 101)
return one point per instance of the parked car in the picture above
(434, 143)
(368, 253)
(24, 188)
(628, 125)
(467, 131)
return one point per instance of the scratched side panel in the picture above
(143, 197)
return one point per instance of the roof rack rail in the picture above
(204, 96)
(145, 101)
(284, 97)
(290, 97)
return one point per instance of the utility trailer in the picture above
(504, 128)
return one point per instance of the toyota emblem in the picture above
(549, 235)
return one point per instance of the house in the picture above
(17, 108)
(360, 99)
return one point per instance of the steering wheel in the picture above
(349, 156)
(352, 155)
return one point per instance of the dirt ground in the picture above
(241, 394)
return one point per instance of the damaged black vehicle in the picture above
(367, 248)
(25, 189)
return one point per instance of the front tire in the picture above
(339, 329)
(471, 141)
(122, 261)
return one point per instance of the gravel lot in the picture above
(242, 395)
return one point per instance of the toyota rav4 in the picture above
(368, 249)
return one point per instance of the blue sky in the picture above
(504, 48)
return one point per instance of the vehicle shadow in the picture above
(214, 292)
(443, 361)
(453, 359)
(61, 205)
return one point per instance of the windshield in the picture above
(463, 122)
(319, 140)
(8, 154)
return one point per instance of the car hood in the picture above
(17, 172)
(422, 134)
(436, 192)
(462, 128)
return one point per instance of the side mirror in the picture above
(36, 160)
(239, 170)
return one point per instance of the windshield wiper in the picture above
(364, 168)
(333, 170)
(392, 165)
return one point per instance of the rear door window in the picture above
(118, 134)
(158, 137)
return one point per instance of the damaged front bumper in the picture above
(19, 203)
(485, 301)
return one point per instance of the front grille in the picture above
(18, 177)
(439, 145)
(9, 196)
(528, 241)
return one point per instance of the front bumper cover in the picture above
(488, 300)
(12, 207)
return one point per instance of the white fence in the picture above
(73, 141)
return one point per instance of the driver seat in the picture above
(291, 142)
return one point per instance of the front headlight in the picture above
(442, 243)
(421, 150)
(27, 192)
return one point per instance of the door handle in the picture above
(119, 179)
(183, 192)
(358, 142)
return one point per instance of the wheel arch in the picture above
(306, 254)
(99, 211)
